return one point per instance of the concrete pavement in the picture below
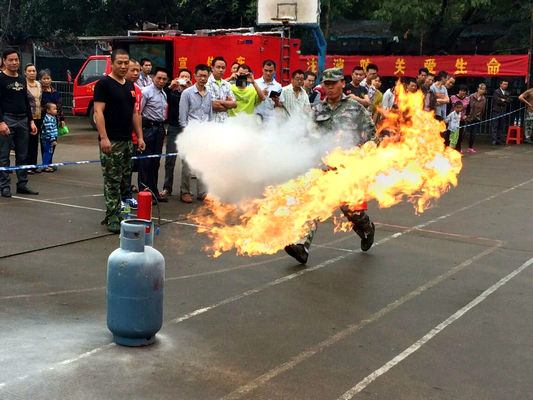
(438, 309)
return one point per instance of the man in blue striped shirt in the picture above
(154, 112)
(195, 104)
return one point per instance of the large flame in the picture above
(410, 164)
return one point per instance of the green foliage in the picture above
(51, 19)
(441, 21)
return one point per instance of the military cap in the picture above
(333, 74)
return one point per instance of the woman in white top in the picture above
(34, 95)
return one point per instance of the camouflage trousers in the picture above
(360, 220)
(528, 124)
(116, 168)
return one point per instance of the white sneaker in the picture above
(132, 202)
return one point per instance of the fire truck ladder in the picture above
(286, 55)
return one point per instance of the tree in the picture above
(436, 24)
(429, 26)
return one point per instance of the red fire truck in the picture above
(175, 51)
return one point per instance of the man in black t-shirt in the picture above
(354, 90)
(16, 122)
(115, 117)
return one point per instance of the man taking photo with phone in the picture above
(246, 96)
(272, 90)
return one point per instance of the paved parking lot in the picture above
(439, 308)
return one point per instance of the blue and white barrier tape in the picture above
(492, 119)
(62, 164)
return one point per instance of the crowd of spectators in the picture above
(472, 105)
(26, 101)
(165, 105)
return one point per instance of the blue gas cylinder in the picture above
(135, 285)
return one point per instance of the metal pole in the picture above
(321, 43)
(530, 69)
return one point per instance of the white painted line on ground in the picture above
(81, 207)
(223, 270)
(351, 329)
(56, 293)
(254, 384)
(432, 333)
(190, 224)
(58, 204)
(192, 314)
(73, 197)
(310, 269)
(59, 364)
(256, 290)
(172, 278)
(302, 272)
(334, 248)
(440, 233)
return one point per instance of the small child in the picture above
(49, 135)
(453, 120)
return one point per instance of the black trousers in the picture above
(33, 144)
(462, 130)
(473, 131)
(499, 128)
(154, 137)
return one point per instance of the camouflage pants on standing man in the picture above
(528, 126)
(116, 169)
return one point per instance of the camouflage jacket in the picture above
(349, 116)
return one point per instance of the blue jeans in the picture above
(48, 150)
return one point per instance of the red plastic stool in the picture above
(514, 134)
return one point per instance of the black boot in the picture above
(298, 251)
(361, 225)
(367, 238)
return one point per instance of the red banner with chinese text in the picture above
(464, 65)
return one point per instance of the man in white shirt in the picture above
(309, 84)
(272, 90)
(293, 97)
(222, 96)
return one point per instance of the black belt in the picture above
(148, 123)
(15, 115)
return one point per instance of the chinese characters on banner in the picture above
(338, 62)
(399, 67)
(462, 65)
(312, 64)
(364, 63)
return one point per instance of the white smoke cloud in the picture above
(238, 159)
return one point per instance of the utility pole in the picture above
(530, 52)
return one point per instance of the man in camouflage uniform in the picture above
(114, 102)
(339, 113)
